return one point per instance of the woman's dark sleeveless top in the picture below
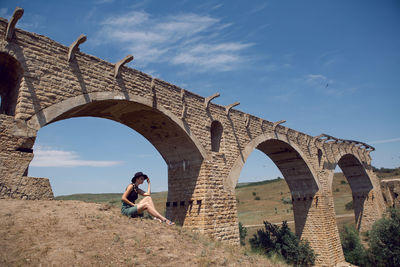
(133, 195)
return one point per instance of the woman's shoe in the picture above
(168, 222)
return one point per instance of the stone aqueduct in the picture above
(204, 145)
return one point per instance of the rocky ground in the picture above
(74, 233)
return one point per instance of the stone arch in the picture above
(89, 105)
(216, 130)
(291, 162)
(360, 184)
(181, 151)
(10, 78)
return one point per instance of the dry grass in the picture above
(75, 233)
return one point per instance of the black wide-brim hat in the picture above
(138, 174)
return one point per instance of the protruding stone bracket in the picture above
(74, 47)
(247, 120)
(182, 94)
(286, 131)
(18, 12)
(357, 144)
(120, 63)
(262, 125)
(277, 123)
(184, 110)
(153, 88)
(229, 107)
(296, 135)
(208, 99)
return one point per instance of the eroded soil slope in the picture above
(68, 233)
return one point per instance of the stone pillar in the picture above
(391, 192)
(15, 155)
(315, 222)
(198, 201)
(368, 204)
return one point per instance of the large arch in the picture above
(289, 159)
(360, 184)
(179, 148)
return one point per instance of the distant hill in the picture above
(258, 201)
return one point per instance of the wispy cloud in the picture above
(59, 158)
(186, 39)
(385, 141)
(323, 84)
(4, 13)
(258, 8)
(30, 23)
(104, 2)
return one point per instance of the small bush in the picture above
(384, 240)
(343, 182)
(349, 205)
(242, 234)
(254, 193)
(286, 200)
(275, 240)
(257, 198)
(337, 190)
(353, 250)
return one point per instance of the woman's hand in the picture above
(148, 180)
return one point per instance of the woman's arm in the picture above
(126, 194)
(141, 192)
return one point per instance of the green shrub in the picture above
(384, 240)
(286, 200)
(257, 198)
(353, 250)
(337, 190)
(343, 182)
(282, 242)
(254, 193)
(349, 205)
(242, 234)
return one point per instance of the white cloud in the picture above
(59, 158)
(186, 39)
(385, 141)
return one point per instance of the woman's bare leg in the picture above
(147, 204)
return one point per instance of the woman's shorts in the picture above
(129, 210)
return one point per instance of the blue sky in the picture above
(323, 66)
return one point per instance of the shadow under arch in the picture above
(180, 150)
(299, 177)
(11, 73)
(360, 184)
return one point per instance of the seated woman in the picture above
(129, 208)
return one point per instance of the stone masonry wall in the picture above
(391, 192)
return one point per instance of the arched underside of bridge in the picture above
(167, 134)
(361, 187)
(314, 219)
(302, 184)
(298, 176)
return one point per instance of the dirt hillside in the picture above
(74, 233)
